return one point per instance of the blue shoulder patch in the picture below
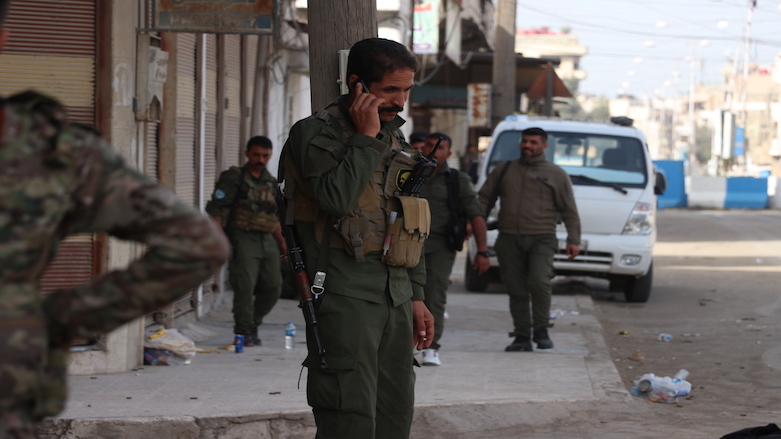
(219, 194)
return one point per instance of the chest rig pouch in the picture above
(368, 228)
(255, 209)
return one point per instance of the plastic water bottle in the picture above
(682, 386)
(290, 335)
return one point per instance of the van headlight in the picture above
(640, 221)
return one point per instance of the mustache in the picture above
(392, 109)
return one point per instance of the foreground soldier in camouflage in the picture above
(56, 179)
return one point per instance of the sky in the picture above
(644, 48)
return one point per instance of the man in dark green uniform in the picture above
(339, 170)
(534, 192)
(243, 203)
(453, 202)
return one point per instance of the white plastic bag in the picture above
(172, 340)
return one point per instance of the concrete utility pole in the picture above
(503, 96)
(335, 26)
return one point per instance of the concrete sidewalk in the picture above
(261, 393)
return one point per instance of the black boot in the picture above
(520, 344)
(541, 338)
(254, 336)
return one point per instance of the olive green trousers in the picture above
(367, 392)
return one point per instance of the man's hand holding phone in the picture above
(365, 110)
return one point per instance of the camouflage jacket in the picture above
(57, 178)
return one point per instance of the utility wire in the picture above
(771, 43)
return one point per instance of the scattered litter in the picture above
(163, 357)
(665, 337)
(206, 351)
(556, 313)
(129, 397)
(575, 313)
(755, 328)
(637, 356)
(171, 340)
(623, 332)
(689, 334)
(274, 393)
(662, 389)
(193, 397)
(229, 347)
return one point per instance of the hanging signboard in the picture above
(425, 28)
(214, 16)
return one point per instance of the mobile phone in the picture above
(365, 88)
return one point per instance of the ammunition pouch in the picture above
(408, 231)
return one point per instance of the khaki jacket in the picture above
(533, 193)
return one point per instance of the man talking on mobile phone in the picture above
(344, 168)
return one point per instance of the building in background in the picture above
(562, 46)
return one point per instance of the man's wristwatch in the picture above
(483, 254)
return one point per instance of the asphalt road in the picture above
(717, 285)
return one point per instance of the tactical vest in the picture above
(367, 227)
(255, 211)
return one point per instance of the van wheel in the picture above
(475, 282)
(637, 290)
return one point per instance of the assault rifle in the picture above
(307, 293)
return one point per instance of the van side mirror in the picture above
(660, 186)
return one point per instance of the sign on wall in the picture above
(425, 28)
(214, 16)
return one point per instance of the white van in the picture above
(615, 187)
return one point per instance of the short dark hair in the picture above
(372, 58)
(534, 131)
(417, 136)
(445, 138)
(261, 141)
(5, 5)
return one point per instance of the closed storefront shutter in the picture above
(152, 150)
(185, 180)
(232, 145)
(212, 103)
(250, 50)
(52, 50)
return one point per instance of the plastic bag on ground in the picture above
(163, 357)
(171, 340)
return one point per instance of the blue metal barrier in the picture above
(675, 195)
(746, 193)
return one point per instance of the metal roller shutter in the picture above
(232, 137)
(52, 50)
(185, 179)
(152, 150)
(211, 142)
(249, 59)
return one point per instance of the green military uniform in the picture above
(439, 254)
(248, 209)
(365, 315)
(56, 179)
(533, 193)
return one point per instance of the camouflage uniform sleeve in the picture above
(183, 246)
(224, 193)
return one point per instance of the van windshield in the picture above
(607, 159)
